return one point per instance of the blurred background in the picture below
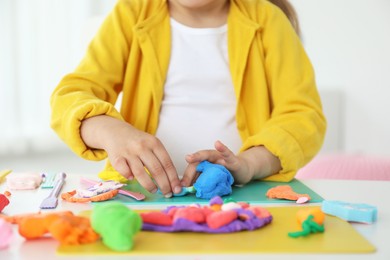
(42, 40)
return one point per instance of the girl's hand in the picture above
(130, 150)
(254, 163)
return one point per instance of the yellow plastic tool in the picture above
(3, 174)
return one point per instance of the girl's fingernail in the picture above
(168, 195)
(154, 191)
(177, 189)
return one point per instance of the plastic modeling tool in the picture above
(355, 212)
(132, 194)
(3, 174)
(52, 200)
(3, 201)
(48, 180)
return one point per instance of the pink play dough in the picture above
(5, 233)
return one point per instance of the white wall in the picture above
(40, 41)
(349, 44)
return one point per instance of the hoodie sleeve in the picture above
(92, 89)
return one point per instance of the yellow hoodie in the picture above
(278, 105)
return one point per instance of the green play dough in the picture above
(116, 224)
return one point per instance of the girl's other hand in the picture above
(254, 163)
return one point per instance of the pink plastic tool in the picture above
(132, 194)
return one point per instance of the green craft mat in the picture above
(254, 192)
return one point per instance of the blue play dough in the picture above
(214, 180)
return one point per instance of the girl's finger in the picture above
(203, 155)
(120, 165)
(228, 156)
(169, 169)
(155, 168)
(137, 167)
(190, 175)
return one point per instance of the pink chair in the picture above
(347, 167)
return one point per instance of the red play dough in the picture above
(190, 213)
(221, 218)
(157, 218)
(260, 212)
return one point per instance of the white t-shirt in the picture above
(199, 102)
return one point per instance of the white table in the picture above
(371, 192)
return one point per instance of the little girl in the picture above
(226, 81)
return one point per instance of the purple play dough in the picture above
(183, 225)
